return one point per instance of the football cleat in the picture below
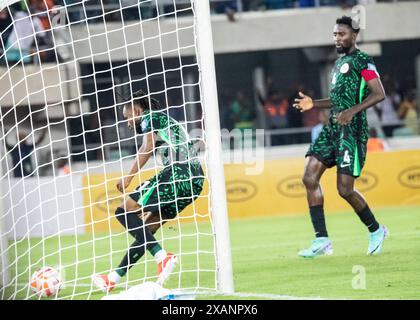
(103, 283)
(319, 246)
(376, 240)
(166, 267)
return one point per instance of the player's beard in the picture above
(137, 127)
(343, 50)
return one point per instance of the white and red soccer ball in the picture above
(46, 282)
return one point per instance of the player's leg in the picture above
(157, 199)
(345, 187)
(349, 167)
(128, 215)
(163, 204)
(312, 175)
(143, 235)
(180, 186)
(153, 221)
(319, 157)
(166, 261)
(314, 169)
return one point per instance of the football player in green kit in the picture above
(161, 197)
(355, 86)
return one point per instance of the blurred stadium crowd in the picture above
(397, 115)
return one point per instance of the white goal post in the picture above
(213, 136)
(50, 218)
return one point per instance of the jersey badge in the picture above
(344, 68)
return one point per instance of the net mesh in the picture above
(66, 70)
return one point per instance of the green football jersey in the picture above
(173, 144)
(348, 88)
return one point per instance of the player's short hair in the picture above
(348, 21)
(141, 99)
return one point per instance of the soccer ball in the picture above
(46, 282)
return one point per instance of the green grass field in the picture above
(265, 261)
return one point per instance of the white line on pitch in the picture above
(236, 294)
(259, 295)
(271, 296)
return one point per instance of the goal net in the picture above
(66, 70)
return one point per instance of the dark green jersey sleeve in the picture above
(363, 62)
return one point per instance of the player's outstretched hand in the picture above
(304, 103)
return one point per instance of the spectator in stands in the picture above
(26, 30)
(323, 120)
(408, 113)
(42, 9)
(241, 113)
(63, 42)
(276, 109)
(375, 143)
(21, 153)
(389, 107)
(5, 28)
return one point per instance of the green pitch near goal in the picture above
(391, 275)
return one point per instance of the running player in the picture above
(355, 86)
(160, 198)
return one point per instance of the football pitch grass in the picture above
(265, 261)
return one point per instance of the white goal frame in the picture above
(219, 213)
(213, 137)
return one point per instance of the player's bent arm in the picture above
(144, 153)
(322, 103)
(377, 94)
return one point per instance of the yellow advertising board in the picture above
(388, 179)
(101, 198)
